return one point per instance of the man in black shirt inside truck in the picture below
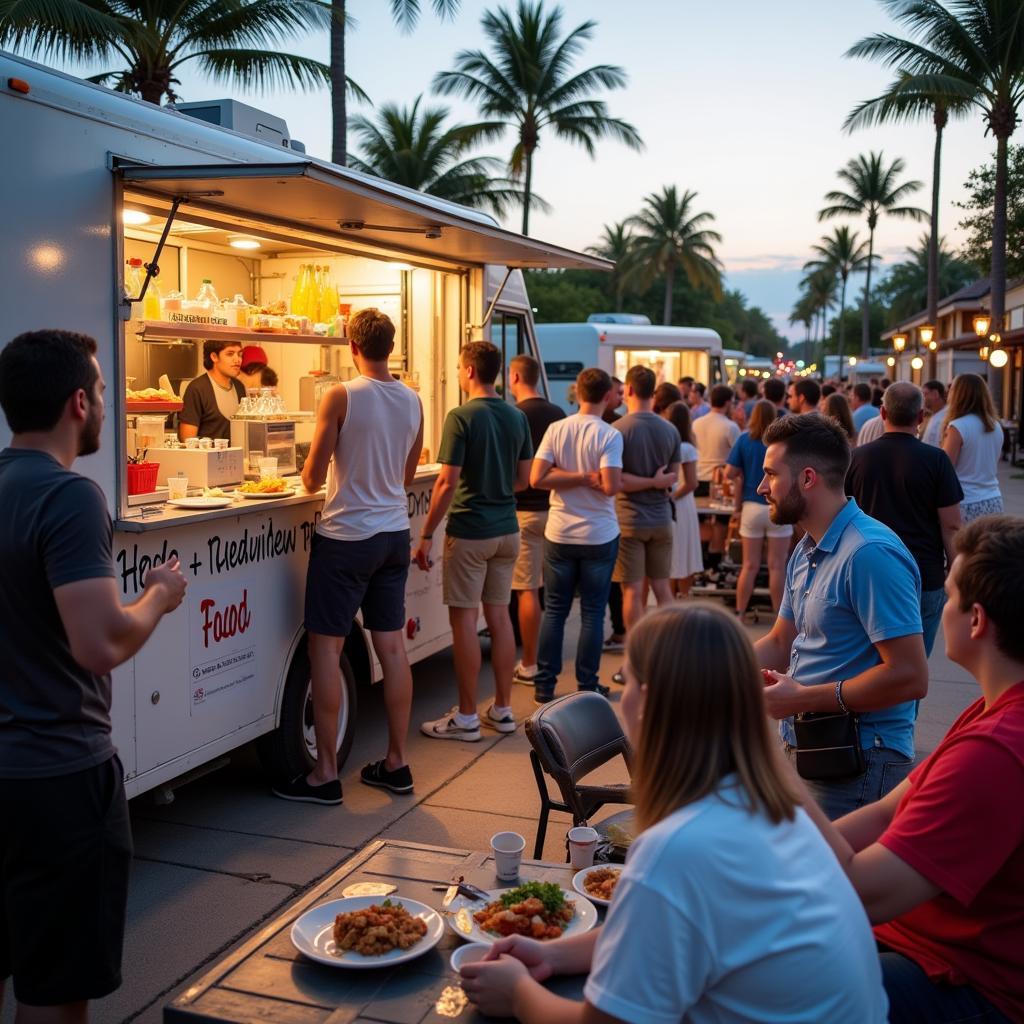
(65, 842)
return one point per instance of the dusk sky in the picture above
(741, 101)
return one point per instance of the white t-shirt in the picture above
(715, 435)
(581, 444)
(933, 428)
(722, 916)
(979, 458)
(871, 431)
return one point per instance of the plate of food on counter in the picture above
(361, 932)
(212, 497)
(597, 882)
(268, 487)
(538, 910)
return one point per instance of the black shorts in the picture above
(65, 851)
(346, 575)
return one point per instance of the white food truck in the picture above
(93, 179)
(672, 352)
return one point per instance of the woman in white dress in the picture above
(973, 440)
(686, 554)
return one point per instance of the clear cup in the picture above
(191, 442)
(268, 466)
(254, 460)
(177, 486)
(220, 443)
(582, 846)
(206, 443)
(508, 854)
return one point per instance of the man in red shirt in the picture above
(939, 861)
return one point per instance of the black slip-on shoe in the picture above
(398, 781)
(302, 792)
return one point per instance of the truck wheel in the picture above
(290, 750)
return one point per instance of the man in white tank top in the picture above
(367, 443)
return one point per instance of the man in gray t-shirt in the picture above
(650, 464)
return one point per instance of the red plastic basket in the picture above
(142, 477)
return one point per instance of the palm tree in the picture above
(670, 235)
(893, 106)
(803, 312)
(873, 190)
(820, 289)
(968, 51)
(905, 289)
(617, 244)
(414, 148)
(841, 254)
(530, 84)
(234, 41)
(406, 13)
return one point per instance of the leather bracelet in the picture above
(426, 536)
(839, 697)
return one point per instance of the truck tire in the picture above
(290, 750)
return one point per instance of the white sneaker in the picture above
(447, 728)
(506, 723)
(521, 675)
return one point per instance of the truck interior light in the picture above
(134, 217)
(244, 242)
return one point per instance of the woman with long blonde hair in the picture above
(731, 907)
(973, 440)
(751, 512)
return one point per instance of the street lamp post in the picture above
(899, 343)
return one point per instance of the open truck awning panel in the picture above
(312, 197)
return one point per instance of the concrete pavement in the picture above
(226, 854)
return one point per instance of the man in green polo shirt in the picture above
(485, 457)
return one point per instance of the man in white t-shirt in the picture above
(580, 462)
(935, 403)
(714, 435)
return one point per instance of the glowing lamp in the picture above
(981, 323)
(998, 358)
(899, 342)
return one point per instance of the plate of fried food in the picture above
(538, 910)
(267, 487)
(361, 932)
(597, 883)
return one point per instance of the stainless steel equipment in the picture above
(270, 437)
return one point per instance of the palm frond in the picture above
(62, 30)
(407, 12)
(259, 69)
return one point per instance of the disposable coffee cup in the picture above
(582, 846)
(508, 854)
(177, 486)
(268, 467)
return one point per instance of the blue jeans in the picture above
(884, 770)
(566, 567)
(932, 603)
(915, 999)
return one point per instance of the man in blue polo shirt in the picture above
(848, 635)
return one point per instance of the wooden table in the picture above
(267, 980)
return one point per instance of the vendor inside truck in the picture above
(212, 399)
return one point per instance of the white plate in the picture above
(461, 910)
(313, 933)
(286, 493)
(200, 502)
(577, 882)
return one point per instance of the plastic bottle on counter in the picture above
(208, 295)
(328, 298)
(298, 297)
(237, 311)
(151, 302)
(133, 277)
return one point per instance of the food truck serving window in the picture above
(343, 204)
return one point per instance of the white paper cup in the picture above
(177, 486)
(268, 467)
(508, 854)
(582, 846)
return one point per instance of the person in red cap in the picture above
(255, 373)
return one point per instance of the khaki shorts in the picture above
(644, 551)
(756, 523)
(478, 570)
(529, 574)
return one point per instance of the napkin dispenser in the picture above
(204, 467)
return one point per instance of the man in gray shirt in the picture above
(650, 466)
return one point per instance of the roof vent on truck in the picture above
(633, 319)
(241, 118)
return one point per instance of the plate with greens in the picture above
(538, 910)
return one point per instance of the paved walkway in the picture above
(226, 854)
